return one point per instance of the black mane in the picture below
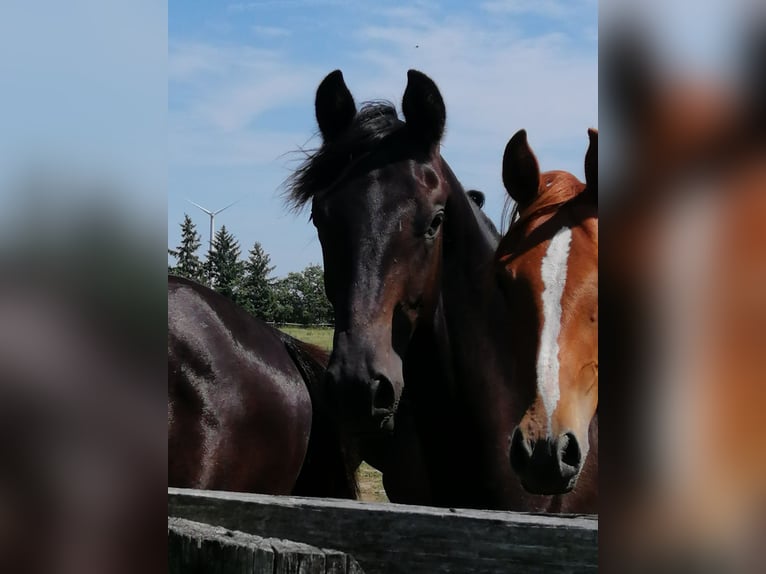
(374, 121)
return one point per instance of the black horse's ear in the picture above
(423, 107)
(591, 165)
(335, 107)
(477, 197)
(521, 172)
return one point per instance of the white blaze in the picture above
(554, 275)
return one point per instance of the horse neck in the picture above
(468, 246)
(466, 285)
(457, 367)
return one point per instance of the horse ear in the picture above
(521, 173)
(423, 107)
(630, 75)
(335, 107)
(591, 164)
(755, 74)
(477, 197)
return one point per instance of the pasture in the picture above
(319, 336)
(370, 483)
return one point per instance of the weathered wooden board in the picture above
(194, 547)
(393, 538)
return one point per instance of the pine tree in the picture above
(188, 264)
(224, 268)
(257, 294)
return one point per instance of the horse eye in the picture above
(435, 224)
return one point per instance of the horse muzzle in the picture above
(546, 466)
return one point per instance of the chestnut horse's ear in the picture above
(423, 108)
(521, 173)
(591, 165)
(477, 197)
(334, 105)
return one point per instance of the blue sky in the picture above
(242, 78)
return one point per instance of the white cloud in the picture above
(548, 8)
(242, 102)
(191, 61)
(492, 82)
(250, 6)
(271, 31)
(232, 88)
(192, 146)
(236, 106)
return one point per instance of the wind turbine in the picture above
(212, 215)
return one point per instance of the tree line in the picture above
(297, 298)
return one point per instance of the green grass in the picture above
(319, 336)
(370, 484)
(370, 480)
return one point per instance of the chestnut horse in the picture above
(245, 406)
(547, 265)
(415, 374)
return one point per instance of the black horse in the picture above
(245, 404)
(416, 373)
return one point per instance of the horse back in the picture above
(239, 413)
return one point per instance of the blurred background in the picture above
(683, 285)
(82, 286)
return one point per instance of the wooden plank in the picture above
(336, 562)
(198, 547)
(294, 558)
(393, 538)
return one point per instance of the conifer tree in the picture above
(257, 295)
(225, 270)
(187, 262)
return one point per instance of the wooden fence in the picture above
(197, 547)
(386, 538)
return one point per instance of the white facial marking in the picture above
(554, 275)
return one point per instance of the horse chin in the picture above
(549, 489)
(546, 491)
(551, 486)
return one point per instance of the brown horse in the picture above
(245, 406)
(547, 264)
(415, 372)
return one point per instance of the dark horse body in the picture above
(415, 372)
(244, 405)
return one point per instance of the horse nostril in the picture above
(521, 451)
(569, 450)
(383, 396)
